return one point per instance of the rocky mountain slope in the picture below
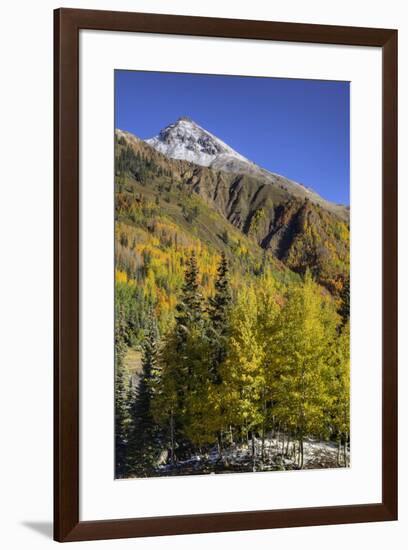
(186, 140)
(280, 217)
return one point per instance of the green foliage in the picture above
(219, 310)
(340, 389)
(135, 164)
(190, 307)
(121, 402)
(190, 212)
(144, 433)
(256, 220)
(344, 309)
(183, 372)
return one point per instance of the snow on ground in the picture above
(277, 456)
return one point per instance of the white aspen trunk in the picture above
(172, 437)
(338, 450)
(253, 452)
(345, 450)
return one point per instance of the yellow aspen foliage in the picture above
(243, 378)
(306, 330)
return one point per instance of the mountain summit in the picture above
(186, 140)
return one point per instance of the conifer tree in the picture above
(121, 403)
(340, 391)
(189, 309)
(181, 377)
(144, 434)
(220, 303)
(219, 309)
(200, 407)
(219, 316)
(344, 309)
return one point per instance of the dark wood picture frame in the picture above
(67, 24)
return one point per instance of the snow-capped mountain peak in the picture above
(186, 140)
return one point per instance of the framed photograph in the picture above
(225, 275)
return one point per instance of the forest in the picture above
(240, 363)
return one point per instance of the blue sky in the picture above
(297, 128)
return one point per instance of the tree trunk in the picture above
(293, 454)
(172, 436)
(263, 443)
(301, 452)
(345, 450)
(219, 440)
(263, 426)
(253, 452)
(338, 450)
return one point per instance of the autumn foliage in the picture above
(238, 342)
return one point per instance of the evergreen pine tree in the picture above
(344, 309)
(189, 323)
(180, 369)
(340, 391)
(189, 310)
(219, 316)
(144, 434)
(121, 403)
(221, 301)
(166, 402)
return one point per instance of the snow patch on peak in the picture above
(186, 140)
(185, 119)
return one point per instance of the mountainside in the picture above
(223, 208)
(231, 314)
(186, 140)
